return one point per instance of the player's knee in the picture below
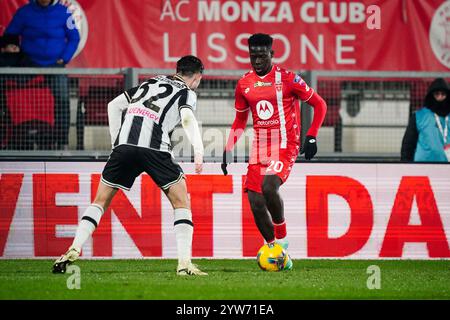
(180, 200)
(269, 189)
(102, 200)
(257, 201)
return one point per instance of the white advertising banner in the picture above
(333, 210)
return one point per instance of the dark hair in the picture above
(260, 40)
(8, 39)
(189, 65)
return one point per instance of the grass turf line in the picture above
(228, 279)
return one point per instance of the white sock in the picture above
(87, 225)
(184, 229)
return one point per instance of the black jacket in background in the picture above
(409, 142)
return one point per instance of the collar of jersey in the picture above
(262, 77)
(179, 78)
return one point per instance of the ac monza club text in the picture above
(145, 229)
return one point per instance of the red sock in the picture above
(279, 230)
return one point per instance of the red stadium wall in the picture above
(309, 35)
(356, 211)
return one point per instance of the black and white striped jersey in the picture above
(153, 112)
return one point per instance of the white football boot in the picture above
(189, 269)
(59, 266)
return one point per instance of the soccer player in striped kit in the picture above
(271, 94)
(141, 143)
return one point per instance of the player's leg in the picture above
(87, 225)
(261, 216)
(274, 202)
(270, 187)
(169, 176)
(120, 172)
(253, 186)
(92, 215)
(183, 227)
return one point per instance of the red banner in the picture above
(309, 35)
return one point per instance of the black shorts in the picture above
(127, 162)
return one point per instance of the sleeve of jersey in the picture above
(188, 100)
(308, 95)
(240, 103)
(320, 109)
(237, 129)
(300, 87)
(130, 93)
(115, 109)
(190, 126)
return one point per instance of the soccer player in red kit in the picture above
(271, 94)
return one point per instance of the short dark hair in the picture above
(260, 40)
(189, 65)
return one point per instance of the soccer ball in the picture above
(272, 257)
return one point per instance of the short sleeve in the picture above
(240, 103)
(188, 99)
(299, 87)
(130, 93)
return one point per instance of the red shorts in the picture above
(279, 165)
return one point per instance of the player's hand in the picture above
(225, 161)
(198, 161)
(309, 148)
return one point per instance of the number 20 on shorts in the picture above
(275, 166)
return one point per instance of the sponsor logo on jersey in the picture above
(271, 122)
(262, 84)
(246, 90)
(136, 111)
(301, 82)
(264, 109)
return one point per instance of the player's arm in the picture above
(308, 95)
(320, 109)
(115, 109)
(237, 128)
(190, 126)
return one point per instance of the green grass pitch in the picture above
(228, 279)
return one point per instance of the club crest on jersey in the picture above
(297, 78)
(262, 84)
(264, 109)
(279, 86)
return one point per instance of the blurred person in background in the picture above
(427, 136)
(10, 56)
(48, 41)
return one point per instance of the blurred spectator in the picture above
(10, 56)
(427, 137)
(47, 41)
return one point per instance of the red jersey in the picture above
(273, 101)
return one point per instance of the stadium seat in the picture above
(31, 114)
(331, 92)
(94, 95)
